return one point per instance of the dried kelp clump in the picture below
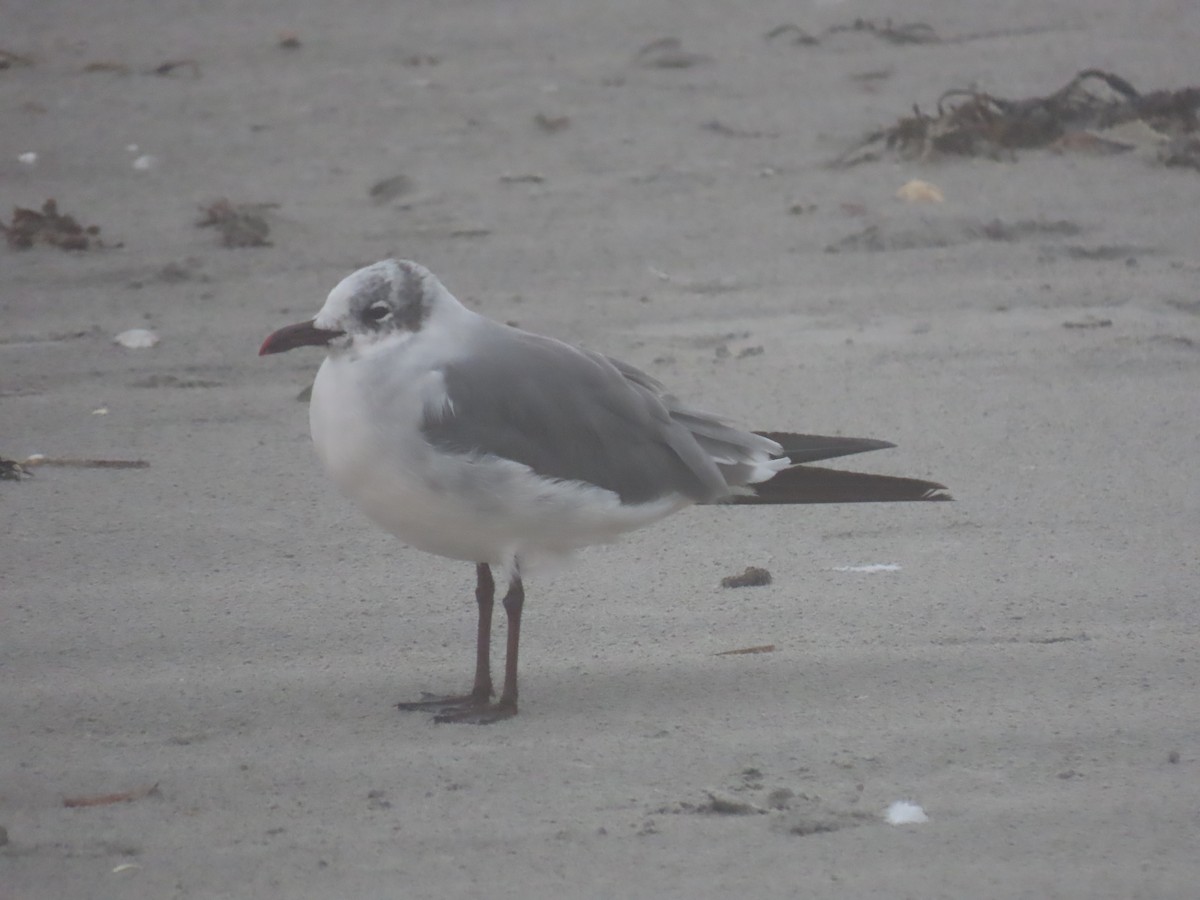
(1080, 116)
(48, 226)
(11, 470)
(239, 224)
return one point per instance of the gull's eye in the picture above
(377, 312)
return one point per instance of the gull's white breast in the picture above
(365, 417)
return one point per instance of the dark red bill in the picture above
(302, 334)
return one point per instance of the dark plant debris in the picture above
(1105, 252)
(107, 65)
(522, 178)
(668, 53)
(8, 59)
(11, 470)
(169, 67)
(48, 226)
(551, 124)
(724, 805)
(176, 271)
(908, 33)
(416, 60)
(718, 127)
(390, 188)
(1088, 322)
(240, 224)
(969, 122)
(70, 462)
(754, 576)
(794, 34)
(173, 381)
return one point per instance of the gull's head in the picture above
(389, 299)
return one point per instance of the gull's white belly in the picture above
(476, 508)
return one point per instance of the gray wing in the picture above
(737, 453)
(579, 416)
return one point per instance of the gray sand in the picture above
(224, 626)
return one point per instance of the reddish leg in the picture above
(481, 691)
(506, 706)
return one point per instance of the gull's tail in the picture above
(809, 484)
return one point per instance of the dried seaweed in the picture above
(9, 58)
(48, 226)
(969, 122)
(753, 576)
(240, 224)
(11, 470)
(907, 33)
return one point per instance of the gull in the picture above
(477, 441)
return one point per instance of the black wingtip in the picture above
(812, 484)
(805, 448)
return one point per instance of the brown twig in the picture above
(762, 648)
(105, 65)
(66, 462)
(108, 799)
(168, 67)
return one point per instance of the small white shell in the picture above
(903, 812)
(137, 338)
(917, 191)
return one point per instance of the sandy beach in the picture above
(201, 657)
